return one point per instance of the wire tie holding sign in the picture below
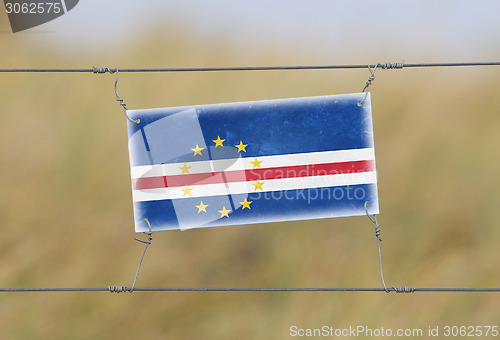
(373, 218)
(368, 83)
(122, 289)
(102, 70)
(385, 66)
(147, 243)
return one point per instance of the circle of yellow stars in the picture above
(219, 142)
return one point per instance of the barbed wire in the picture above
(398, 65)
(122, 289)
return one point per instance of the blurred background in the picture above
(66, 206)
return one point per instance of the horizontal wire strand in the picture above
(248, 68)
(119, 289)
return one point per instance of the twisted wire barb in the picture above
(392, 66)
(117, 289)
(103, 70)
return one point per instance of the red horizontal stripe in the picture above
(253, 175)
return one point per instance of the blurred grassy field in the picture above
(66, 217)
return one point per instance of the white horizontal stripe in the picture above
(315, 158)
(245, 163)
(248, 187)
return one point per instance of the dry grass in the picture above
(66, 218)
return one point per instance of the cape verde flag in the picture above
(252, 162)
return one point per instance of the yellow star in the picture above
(187, 191)
(256, 163)
(185, 169)
(241, 147)
(224, 212)
(218, 141)
(246, 204)
(201, 207)
(197, 150)
(258, 185)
